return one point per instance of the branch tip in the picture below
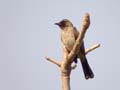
(92, 48)
(53, 61)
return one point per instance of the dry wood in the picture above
(65, 65)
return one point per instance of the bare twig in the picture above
(54, 61)
(92, 48)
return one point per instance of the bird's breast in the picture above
(68, 40)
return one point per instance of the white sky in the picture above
(28, 34)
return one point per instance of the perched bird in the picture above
(69, 35)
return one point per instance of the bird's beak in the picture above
(57, 24)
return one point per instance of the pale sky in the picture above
(28, 34)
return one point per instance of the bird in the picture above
(69, 34)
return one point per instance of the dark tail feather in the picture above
(86, 69)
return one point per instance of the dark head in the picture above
(64, 23)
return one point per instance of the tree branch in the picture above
(54, 61)
(85, 25)
(92, 48)
(66, 64)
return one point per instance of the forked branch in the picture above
(65, 64)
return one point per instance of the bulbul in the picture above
(69, 35)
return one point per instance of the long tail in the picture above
(86, 68)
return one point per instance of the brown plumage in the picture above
(69, 35)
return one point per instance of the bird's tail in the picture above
(86, 68)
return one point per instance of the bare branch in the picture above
(92, 48)
(66, 65)
(54, 61)
(85, 25)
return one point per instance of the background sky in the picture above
(28, 34)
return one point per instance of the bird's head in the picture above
(64, 23)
